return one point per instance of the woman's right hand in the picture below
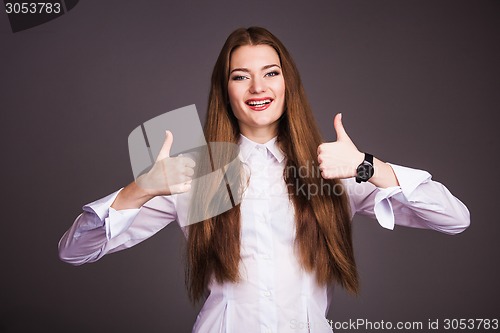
(169, 175)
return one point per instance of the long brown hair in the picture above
(323, 224)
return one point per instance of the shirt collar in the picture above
(247, 146)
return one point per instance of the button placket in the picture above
(260, 184)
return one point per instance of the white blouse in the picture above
(275, 294)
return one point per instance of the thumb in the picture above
(339, 128)
(165, 149)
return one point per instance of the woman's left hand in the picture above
(339, 159)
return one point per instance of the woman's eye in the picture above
(274, 73)
(238, 77)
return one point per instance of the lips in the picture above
(259, 104)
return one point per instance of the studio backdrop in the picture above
(417, 84)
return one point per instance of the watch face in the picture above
(365, 172)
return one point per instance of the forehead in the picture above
(254, 57)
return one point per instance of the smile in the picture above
(259, 104)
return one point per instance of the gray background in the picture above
(417, 82)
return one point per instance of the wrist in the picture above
(358, 159)
(384, 175)
(132, 196)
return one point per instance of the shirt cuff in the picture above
(383, 206)
(119, 220)
(409, 179)
(115, 221)
(101, 207)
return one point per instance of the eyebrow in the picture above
(246, 70)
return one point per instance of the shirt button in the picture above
(267, 293)
(266, 256)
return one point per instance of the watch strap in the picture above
(369, 158)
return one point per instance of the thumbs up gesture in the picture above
(339, 159)
(169, 175)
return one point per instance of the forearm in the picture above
(417, 202)
(132, 196)
(85, 240)
(101, 229)
(384, 175)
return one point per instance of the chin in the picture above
(264, 122)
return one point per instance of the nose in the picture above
(257, 85)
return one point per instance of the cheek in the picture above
(279, 88)
(234, 93)
(234, 96)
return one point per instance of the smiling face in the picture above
(256, 90)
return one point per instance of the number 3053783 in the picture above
(33, 8)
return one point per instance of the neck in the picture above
(259, 135)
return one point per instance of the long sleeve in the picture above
(418, 202)
(100, 229)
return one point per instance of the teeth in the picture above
(259, 103)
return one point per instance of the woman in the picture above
(268, 264)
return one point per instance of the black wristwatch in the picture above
(365, 170)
